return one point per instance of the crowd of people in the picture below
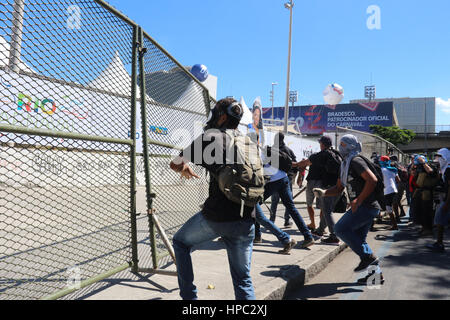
(360, 187)
(424, 184)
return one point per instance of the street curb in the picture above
(295, 276)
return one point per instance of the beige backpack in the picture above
(243, 180)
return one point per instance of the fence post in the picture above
(148, 188)
(16, 35)
(207, 101)
(134, 250)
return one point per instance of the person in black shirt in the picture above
(426, 177)
(442, 216)
(324, 160)
(314, 180)
(353, 227)
(292, 174)
(219, 216)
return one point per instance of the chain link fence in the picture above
(65, 151)
(370, 144)
(73, 176)
(175, 113)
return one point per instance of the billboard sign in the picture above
(317, 119)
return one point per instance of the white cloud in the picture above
(443, 105)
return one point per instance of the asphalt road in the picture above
(410, 270)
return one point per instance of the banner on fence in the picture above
(317, 119)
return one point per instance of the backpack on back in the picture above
(340, 205)
(334, 161)
(284, 161)
(242, 181)
(427, 182)
(379, 188)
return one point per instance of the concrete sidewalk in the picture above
(272, 273)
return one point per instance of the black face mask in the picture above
(216, 113)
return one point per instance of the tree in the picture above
(394, 135)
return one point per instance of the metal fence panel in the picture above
(65, 146)
(176, 110)
(68, 165)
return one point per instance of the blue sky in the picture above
(245, 44)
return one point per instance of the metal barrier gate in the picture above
(74, 76)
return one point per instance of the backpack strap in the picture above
(370, 165)
(337, 153)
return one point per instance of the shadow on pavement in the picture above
(323, 290)
(133, 283)
(414, 253)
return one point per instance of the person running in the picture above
(282, 236)
(261, 219)
(442, 216)
(401, 187)
(390, 178)
(329, 162)
(361, 181)
(219, 215)
(279, 183)
(313, 180)
(292, 174)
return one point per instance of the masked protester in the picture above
(220, 216)
(426, 178)
(361, 181)
(391, 179)
(442, 215)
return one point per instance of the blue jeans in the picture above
(282, 188)
(238, 238)
(282, 236)
(326, 220)
(353, 228)
(273, 207)
(441, 217)
(408, 195)
(412, 217)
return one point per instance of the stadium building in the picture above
(412, 113)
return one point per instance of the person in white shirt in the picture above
(279, 183)
(390, 179)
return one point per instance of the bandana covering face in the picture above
(387, 165)
(351, 150)
(444, 159)
(416, 159)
